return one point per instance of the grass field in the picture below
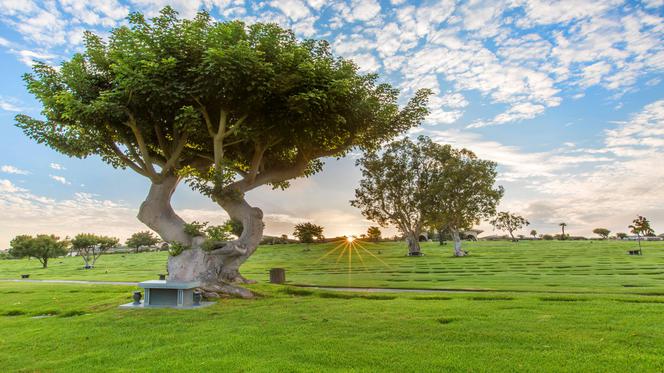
(547, 266)
(558, 306)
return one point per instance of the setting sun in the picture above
(350, 238)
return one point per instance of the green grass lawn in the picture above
(551, 266)
(560, 306)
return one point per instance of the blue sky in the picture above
(567, 96)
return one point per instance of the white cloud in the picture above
(60, 179)
(57, 166)
(9, 169)
(585, 187)
(28, 56)
(453, 100)
(6, 186)
(95, 12)
(366, 62)
(8, 105)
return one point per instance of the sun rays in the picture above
(348, 248)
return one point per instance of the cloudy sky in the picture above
(567, 96)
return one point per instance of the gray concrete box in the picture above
(168, 294)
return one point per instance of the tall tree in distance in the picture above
(641, 227)
(394, 189)
(509, 222)
(374, 233)
(42, 247)
(533, 233)
(562, 226)
(462, 191)
(228, 106)
(308, 232)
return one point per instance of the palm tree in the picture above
(563, 225)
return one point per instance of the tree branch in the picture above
(127, 161)
(175, 157)
(162, 141)
(259, 151)
(147, 159)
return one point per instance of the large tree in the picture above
(228, 106)
(509, 222)
(43, 247)
(462, 191)
(395, 188)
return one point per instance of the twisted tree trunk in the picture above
(218, 269)
(156, 212)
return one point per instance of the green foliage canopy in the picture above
(641, 227)
(462, 188)
(602, 232)
(90, 246)
(143, 238)
(395, 185)
(307, 232)
(229, 105)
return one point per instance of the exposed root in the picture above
(237, 278)
(226, 289)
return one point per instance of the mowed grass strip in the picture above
(309, 331)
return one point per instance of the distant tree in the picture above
(374, 233)
(621, 235)
(139, 239)
(533, 233)
(563, 225)
(284, 238)
(461, 191)
(235, 226)
(43, 247)
(394, 188)
(641, 227)
(547, 237)
(307, 232)
(602, 232)
(90, 247)
(506, 221)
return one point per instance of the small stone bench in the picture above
(635, 252)
(168, 294)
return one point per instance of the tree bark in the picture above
(413, 244)
(156, 212)
(217, 269)
(457, 243)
